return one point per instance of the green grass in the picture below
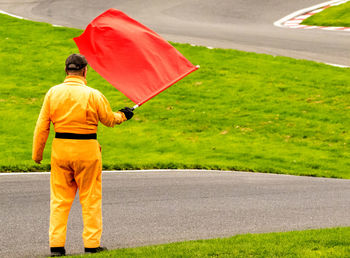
(338, 16)
(240, 111)
(311, 243)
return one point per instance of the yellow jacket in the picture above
(72, 107)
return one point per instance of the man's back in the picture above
(73, 108)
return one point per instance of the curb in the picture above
(12, 15)
(293, 20)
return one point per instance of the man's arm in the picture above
(105, 113)
(42, 130)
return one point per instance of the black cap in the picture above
(76, 62)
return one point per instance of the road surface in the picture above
(240, 24)
(159, 207)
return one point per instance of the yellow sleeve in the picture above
(105, 113)
(42, 130)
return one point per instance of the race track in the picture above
(240, 24)
(159, 207)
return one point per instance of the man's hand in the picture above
(127, 112)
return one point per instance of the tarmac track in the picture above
(239, 24)
(146, 208)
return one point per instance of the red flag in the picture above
(132, 57)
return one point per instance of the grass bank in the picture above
(338, 16)
(311, 243)
(240, 111)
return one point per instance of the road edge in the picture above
(281, 22)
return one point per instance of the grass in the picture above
(240, 111)
(337, 16)
(311, 243)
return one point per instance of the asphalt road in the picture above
(160, 207)
(240, 24)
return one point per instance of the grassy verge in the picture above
(338, 16)
(311, 243)
(240, 111)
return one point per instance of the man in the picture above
(75, 110)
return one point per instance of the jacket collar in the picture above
(75, 79)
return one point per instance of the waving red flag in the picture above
(132, 57)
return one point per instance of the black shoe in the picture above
(57, 251)
(95, 250)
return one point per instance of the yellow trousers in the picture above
(76, 164)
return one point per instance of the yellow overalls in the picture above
(73, 107)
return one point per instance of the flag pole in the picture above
(134, 107)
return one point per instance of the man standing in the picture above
(75, 110)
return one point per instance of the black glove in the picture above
(127, 112)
